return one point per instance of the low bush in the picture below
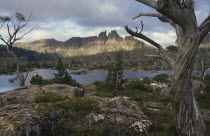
(203, 100)
(48, 97)
(163, 78)
(138, 85)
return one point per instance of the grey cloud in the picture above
(96, 13)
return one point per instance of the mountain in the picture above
(77, 46)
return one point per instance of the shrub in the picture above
(203, 100)
(207, 77)
(105, 94)
(63, 77)
(115, 78)
(81, 105)
(138, 85)
(48, 97)
(12, 100)
(146, 80)
(100, 84)
(161, 78)
(36, 80)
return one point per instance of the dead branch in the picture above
(204, 28)
(158, 46)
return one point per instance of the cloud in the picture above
(67, 18)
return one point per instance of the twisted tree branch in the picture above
(168, 60)
(204, 28)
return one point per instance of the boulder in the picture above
(206, 115)
(121, 110)
(21, 120)
(29, 93)
(198, 86)
(154, 105)
(165, 92)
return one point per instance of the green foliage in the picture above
(48, 97)
(105, 94)
(81, 105)
(63, 77)
(12, 80)
(115, 78)
(20, 17)
(161, 78)
(146, 80)
(12, 100)
(4, 18)
(207, 77)
(36, 80)
(59, 64)
(100, 84)
(204, 100)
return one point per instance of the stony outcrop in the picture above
(165, 92)
(21, 120)
(198, 86)
(121, 110)
(154, 105)
(20, 116)
(28, 93)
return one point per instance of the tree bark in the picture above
(19, 74)
(189, 120)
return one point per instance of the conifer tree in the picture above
(115, 78)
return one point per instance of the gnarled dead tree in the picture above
(181, 15)
(13, 25)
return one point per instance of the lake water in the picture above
(88, 78)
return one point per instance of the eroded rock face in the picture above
(121, 110)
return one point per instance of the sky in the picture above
(82, 18)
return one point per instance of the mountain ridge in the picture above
(104, 42)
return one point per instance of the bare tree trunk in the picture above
(189, 120)
(19, 74)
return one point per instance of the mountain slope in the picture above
(77, 46)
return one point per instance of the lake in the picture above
(88, 78)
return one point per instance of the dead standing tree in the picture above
(181, 15)
(13, 25)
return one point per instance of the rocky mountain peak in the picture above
(113, 35)
(103, 35)
(129, 38)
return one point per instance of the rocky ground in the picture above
(21, 116)
(61, 110)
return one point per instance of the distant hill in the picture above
(77, 46)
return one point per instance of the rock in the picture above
(121, 110)
(25, 119)
(21, 120)
(113, 35)
(206, 115)
(198, 86)
(154, 105)
(165, 92)
(30, 92)
(103, 36)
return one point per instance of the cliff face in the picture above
(101, 39)
(77, 46)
